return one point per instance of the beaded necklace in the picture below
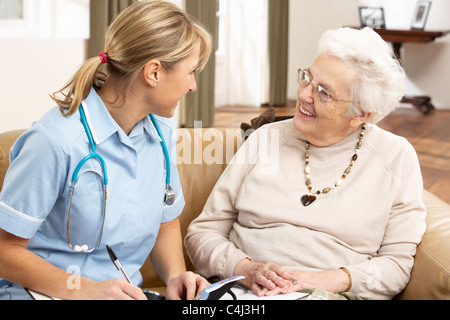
(309, 198)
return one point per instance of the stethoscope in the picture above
(169, 195)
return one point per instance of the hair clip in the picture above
(103, 57)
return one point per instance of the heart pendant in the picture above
(308, 199)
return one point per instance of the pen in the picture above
(116, 262)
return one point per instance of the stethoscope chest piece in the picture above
(170, 196)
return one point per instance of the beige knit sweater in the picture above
(371, 224)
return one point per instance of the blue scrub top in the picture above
(36, 191)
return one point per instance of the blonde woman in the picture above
(107, 137)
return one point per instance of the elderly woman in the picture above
(344, 210)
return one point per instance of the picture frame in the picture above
(372, 17)
(421, 15)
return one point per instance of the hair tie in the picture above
(103, 57)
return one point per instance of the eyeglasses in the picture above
(305, 79)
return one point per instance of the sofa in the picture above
(203, 155)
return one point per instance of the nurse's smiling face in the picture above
(173, 85)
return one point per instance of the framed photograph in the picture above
(372, 17)
(421, 15)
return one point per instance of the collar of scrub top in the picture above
(154, 130)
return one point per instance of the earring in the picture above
(154, 85)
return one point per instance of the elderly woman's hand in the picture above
(269, 279)
(335, 281)
(263, 278)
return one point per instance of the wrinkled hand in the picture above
(187, 286)
(266, 278)
(335, 281)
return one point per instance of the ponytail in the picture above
(77, 89)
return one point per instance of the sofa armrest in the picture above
(7, 139)
(430, 278)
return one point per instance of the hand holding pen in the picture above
(151, 295)
(119, 267)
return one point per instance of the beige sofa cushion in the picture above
(7, 139)
(203, 155)
(430, 279)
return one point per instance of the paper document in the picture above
(244, 294)
(37, 296)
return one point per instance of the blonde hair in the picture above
(145, 31)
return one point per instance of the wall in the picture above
(30, 71)
(308, 20)
(427, 65)
(39, 61)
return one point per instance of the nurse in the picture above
(151, 53)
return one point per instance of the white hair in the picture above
(380, 80)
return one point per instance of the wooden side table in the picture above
(397, 38)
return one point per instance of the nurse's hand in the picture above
(114, 290)
(187, 286)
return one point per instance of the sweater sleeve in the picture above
(388, 272)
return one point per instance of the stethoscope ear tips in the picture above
(83, 248)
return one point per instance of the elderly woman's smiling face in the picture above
(326, 123)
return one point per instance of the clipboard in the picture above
(38, 296)
(218, 289)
